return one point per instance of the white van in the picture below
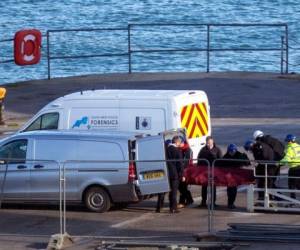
(101, 168)
(143, 111)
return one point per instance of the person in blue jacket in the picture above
(234, 155)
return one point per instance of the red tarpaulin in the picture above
(229, 176)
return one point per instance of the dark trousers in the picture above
(231, 194)
(204, 194)
(160, 202)
(294, 183)
(272, 170)
(172, 196)
(185, 194)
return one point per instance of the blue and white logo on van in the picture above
(143, 123)
(83, 121)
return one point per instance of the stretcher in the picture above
(223, 176)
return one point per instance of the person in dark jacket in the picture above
(185, 197)
(262, 152)
(210, 152)
(175, 171)
(276, 145)
(235, 155)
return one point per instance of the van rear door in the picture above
(151, 166)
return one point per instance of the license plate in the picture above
(153, 175)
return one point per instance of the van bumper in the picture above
(123, 193)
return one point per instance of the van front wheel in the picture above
(96, 199)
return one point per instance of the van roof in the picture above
(129, 93)
(80, 133)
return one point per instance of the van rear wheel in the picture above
(96, 199)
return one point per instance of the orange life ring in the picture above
(27, 47)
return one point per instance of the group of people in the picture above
(265, 148)
(233, 158)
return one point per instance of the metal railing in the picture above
(49, 53)
(10, 58)
(283, 47)
(281, 202)
(21, 166)
(63, 180)
(132, 53)
(295, 47)
(6, 60)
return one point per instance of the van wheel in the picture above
(96, 199)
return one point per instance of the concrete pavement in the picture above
(240, 103)
(30, 227)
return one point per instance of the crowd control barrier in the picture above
(27, 181)
(211, 171)
(69, 166)
(62, 174)
(276, 197)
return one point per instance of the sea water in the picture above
(74, 14)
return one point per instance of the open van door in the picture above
(151, 166)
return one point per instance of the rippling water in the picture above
(63, 14)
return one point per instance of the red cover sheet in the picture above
(223, 176)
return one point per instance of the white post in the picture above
(250, 198)
(266, 201)
(60, 200)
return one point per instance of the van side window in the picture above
(16, 151)
(44, 122)
(50, 121)
(36, 125)
(99, 151)
(55, 149)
